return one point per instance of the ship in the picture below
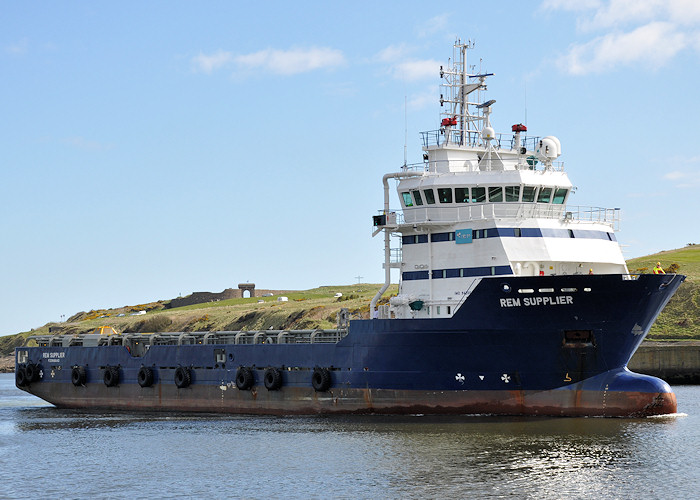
(511, 301)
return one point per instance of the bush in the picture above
(672, 269)
(158, 323)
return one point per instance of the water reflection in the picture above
(85, 454)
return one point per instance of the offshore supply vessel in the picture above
(510, 302)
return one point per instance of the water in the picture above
(50, 453)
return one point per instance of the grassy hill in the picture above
(307, 309)
(317, 308)
(680, 319)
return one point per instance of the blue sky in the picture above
(151, 149)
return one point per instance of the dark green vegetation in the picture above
(317, 308)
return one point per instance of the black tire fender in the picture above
(32, 372)
(145, 376)
(321, 379)
(21, 377)
(111, 376)
(183, 377)
(273, 379)
(244, 378)
(78, 376)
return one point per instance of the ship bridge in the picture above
(484, 204)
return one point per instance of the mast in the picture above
(461, 125)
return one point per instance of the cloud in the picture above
(416, 70)
(392, 53)
(281, 62)
(403, 67)
(575, 5)
(423, 100)
(647, 32)
(18, 48)
(204, 63)
(433, 25)
(684, 179)
(292, 61)
(652, 44)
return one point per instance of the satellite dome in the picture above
(488, 133)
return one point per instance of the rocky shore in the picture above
(7, 364)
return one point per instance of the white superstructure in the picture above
(485, 204)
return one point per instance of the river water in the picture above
(50, 453)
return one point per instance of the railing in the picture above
(396, 256)
(609, 216)
(472, 165)
(473, 139)
(193, 338)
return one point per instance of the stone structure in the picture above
(229, 293)
(247, 287)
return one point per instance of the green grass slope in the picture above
(680, 319)
(305, 309)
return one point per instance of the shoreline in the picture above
(7, 364)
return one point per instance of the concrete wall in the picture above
(675, 362)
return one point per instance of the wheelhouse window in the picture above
(461, 195)
(429, 196)
(478, 194)
(545, 195)
(445, 195)
(495, 194)
(417, 197)
(407, 201)
(512, 193)
(559, 196)
(529, 193)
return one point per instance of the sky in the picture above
(153, 149)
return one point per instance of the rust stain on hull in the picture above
(296, 400)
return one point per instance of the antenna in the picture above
(405, 129)
(525, 102)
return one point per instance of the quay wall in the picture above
(675, 362)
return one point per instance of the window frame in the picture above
(442, 191)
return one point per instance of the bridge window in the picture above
(559, 196)
(417, 197)
(495, 194)
(407, 199)
(478, 195)
(512, 193)
(529, 194)
(445, 195)
(545, 195)
(461, 195)
(429, 196)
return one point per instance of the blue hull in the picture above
(504, 351)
